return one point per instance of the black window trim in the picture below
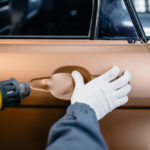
(136, 21)
(41, 37)
(94, 21)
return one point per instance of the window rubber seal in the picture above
(136, 21)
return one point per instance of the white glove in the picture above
(103, 93)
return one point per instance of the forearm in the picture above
(77, 130)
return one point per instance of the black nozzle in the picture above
(24, 89)
(13, 92)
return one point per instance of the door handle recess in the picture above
(60, 84)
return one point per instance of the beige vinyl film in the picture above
(30, 59)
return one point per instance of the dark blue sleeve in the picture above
(77, 130)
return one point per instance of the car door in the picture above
(110, 37)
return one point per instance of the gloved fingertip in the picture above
(115, 69)
(126, 99)
(129, 87)
(75, 74)
(77, 77)
(123, 101)
(128, 74)
(114, 72)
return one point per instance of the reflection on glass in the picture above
(114, 21)
(140, 5)
(45, 17)
(143, 10)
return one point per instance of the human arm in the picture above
(77, 130)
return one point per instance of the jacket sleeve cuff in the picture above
(81, 109)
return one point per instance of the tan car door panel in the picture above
(127, 129)
(29, 59)
(28, 128)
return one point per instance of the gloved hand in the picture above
(103, 93)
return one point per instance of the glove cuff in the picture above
(81, 108)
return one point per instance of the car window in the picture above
(143, 9)
(47, 17)
(5, 17)
(115, 22)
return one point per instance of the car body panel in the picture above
(29, 59)
(26, 128)
(127, 129)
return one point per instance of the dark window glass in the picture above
(115, 22)
(143, 9)
(5, 17)
(49, 17)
